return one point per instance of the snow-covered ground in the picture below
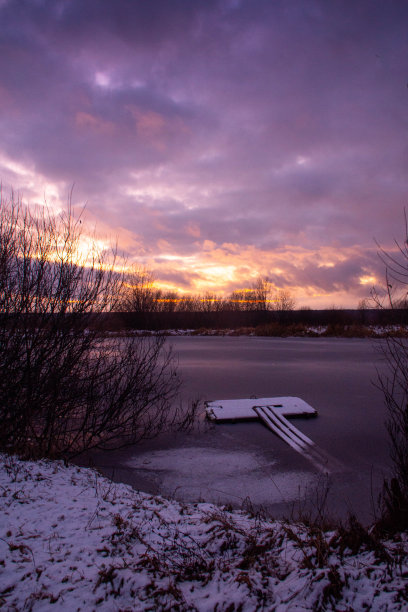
(72, 540)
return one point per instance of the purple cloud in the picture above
(268, 126)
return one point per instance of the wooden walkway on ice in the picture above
(272, 412)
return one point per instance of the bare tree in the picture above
(169, 301)
(245, 300)
(210, 302)
(394, 385)
(364, 304)
(238, 300)
(284, 301)
(261, 289)
(138, 291)
(65, 386)
(258, 297)
(189, 303)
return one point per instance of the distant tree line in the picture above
(140, 295)
(264, 322)
(143, 305)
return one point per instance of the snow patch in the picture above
(220, 476)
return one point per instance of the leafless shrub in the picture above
(284, 301)
(394, 385)
(64, 386)
(138, 291)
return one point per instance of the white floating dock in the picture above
(272, 412)
(237, 409)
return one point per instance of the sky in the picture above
(216, 140)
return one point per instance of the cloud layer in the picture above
(218, 139)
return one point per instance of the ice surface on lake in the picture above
(191, 473)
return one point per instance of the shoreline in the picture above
(373, 332)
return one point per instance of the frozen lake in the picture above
(234, 463)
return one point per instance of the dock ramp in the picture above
(272, 412)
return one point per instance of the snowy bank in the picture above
(73, 540)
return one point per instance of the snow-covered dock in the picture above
(243, 409)
(272, 412)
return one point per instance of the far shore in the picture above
(282, 331)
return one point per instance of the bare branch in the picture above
(64, 385)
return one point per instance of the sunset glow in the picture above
(215, 141)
